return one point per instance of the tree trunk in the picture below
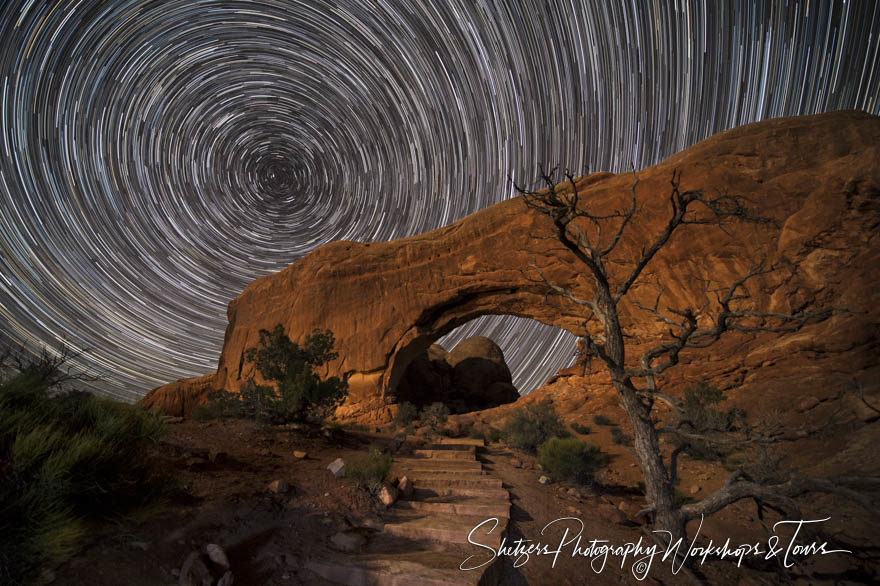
(659, 490)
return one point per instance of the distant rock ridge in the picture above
(817, 177)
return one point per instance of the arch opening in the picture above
(485, 362)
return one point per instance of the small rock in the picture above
(326, 494)
(371, 523)
(387, 494)
(544, 480)
(226, 580)
(300, 455)
(573, 492)
(516, 463)
(337, 467)
(217, 555)
(807, 403)
(278, 487)
(347, 541)
(611, 513)
(405, 487)
(696, 489)
(194, 572)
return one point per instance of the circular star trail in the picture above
(158, 156)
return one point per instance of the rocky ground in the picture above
(270, 534)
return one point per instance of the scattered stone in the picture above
(226, 580)
(544, 480)
(194, 572)
(696, 489)
(300, 455)
(217, 555)
(278, 487)
(405, 487)
(326, 494)
(516, 463)
(575, 511)
(348, 541)
(573, 492)
(337, 467)
(387, 494)
(171, 420)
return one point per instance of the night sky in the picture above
(159, 156)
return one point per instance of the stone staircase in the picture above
(425, 537)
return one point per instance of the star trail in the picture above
(158, 156)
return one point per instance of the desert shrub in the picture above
(434, 415)
(406, 414)
(475, 433)
(371, 470)
(569, 459)
(701, 412)
(299, 394)
(67, 459)
(494, 435)
(620, 438)
(602, 420)
(579, 428)
(532, 425)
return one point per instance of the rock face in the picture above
(816, 177)
(472, 376)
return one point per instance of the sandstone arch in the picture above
(817, 176)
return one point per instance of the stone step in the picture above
(444, 528)
(426, 491)
(435, 480)
(473, 506)
(436, 462)
(413, 473)
(461, 441)
(467, 454)
(405, 567)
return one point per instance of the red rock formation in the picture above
(818, 177)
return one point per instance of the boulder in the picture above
(278, 487)
(337, 467)
(405, 487)
(387, 494)
(217, 555)
(472, 376)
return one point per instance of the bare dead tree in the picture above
(591, 237)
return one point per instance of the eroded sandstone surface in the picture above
(817, 178)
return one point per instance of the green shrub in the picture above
(475, 433)
(434, 415)
(371, 470)
(620, 438)
(569, 459)
(494, 435)
(532, 425)
(298, 395)
(602, 420)
(67, 459)
(582, 429)
(699, 408)
(406, 414)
